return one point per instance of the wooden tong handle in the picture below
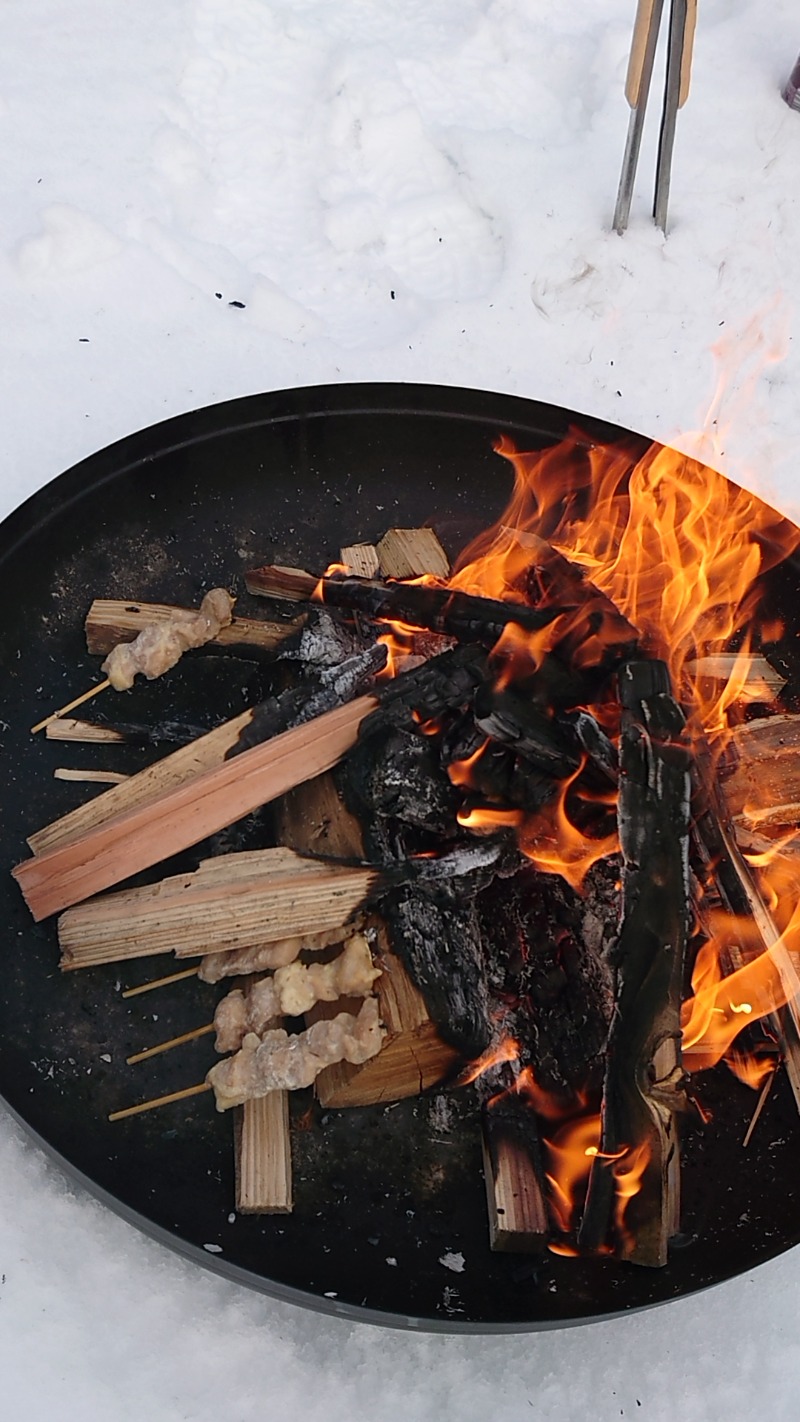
(641, 31)
(688, 50)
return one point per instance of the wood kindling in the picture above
(234, 902)
(111, 620)
(145, 834)
(514, 1175)
(410, 553)
(263, 1156)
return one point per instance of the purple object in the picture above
(792, 91)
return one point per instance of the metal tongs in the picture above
(683, 19)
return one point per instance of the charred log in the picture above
(466, 616)
(548, 964)
(643, 1082)
(435, 931)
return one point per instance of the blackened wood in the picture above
(439, 609)
(511, 718)
(643, 1084)
(301, 704)
(514, 1176)
(546, 950)
(554, 575)
(436, 933)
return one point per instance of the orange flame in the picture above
(628, 1171)
(506, 1050)
(569, 1157)
(555, 844)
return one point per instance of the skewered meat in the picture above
(293, 990)
(238, 962)
(280, 1062)
(160, 645)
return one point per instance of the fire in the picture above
(628, 1170)
(506, 1050)
(555, 844)
(569, 1154)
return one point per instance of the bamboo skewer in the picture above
(160, 982)
(157, 1101)
(173, 1042)
(71, 705)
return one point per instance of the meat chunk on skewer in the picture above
(159, 646)
(239, 962)
(280, 1062)
(293, 990)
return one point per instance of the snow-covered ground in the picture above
(414, 191)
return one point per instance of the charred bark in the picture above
(643, 1081)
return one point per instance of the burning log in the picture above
(465, 616)
(110, 621)
(642, 1089)
(742, 896)
(514, 1176)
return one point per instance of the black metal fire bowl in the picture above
(390, 1219)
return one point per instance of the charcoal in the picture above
(395, 775)
(303, 703)
(512, 719)
(548, 964)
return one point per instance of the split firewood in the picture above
(263, 1156)
(143, 836)
(280, 1062)
(234, 902)
(111, 621)
(360, 559)
(160, 645)
(292, 991)
(756, 678)
(155, 827)
(643, 1083)
(740, 892)
(514, 1175)
(761, 774)
(410, 553)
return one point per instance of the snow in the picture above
(216, 197)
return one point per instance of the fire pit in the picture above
(390, 1213)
